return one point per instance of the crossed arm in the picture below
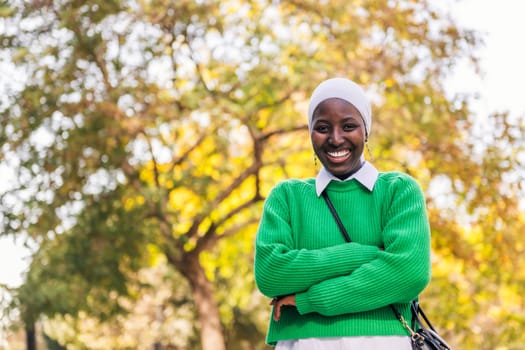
(348, 277)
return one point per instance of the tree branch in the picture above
(266, 136)
(210, 237)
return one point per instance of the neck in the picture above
(351, 172)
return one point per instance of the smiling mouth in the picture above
(339, 154)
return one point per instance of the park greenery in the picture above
(144, 135)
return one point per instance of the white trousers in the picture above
(346, 343)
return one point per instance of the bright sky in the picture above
(502, 88)
(503, 57)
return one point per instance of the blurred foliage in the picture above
(143, 136)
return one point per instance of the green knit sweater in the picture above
(343, 289)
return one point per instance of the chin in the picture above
(343, 172)
(340, 172)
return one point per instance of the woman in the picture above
(327, 293)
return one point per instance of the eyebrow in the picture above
(350, 116)
(344, 118)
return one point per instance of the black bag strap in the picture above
(336, 217)
(417, 311)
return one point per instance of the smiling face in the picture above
(338, 136)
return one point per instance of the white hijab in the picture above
(344, 89)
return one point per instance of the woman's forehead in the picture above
(336, 105)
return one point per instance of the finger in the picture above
(276, 312)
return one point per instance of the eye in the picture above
(321, 129)
(350, 127)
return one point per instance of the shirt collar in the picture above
(366, 175)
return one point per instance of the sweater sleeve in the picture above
(398, 274)
(280, 269)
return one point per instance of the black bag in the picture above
(424, 337)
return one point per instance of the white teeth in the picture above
(338, 154)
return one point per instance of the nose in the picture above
(336, 137)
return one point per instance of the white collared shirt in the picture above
(393, 342)
(366, 175)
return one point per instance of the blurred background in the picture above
(138, 140)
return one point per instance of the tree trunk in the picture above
(211, 333)
(30, 337)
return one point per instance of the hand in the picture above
(279, 302)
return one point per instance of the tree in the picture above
(156, 128)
